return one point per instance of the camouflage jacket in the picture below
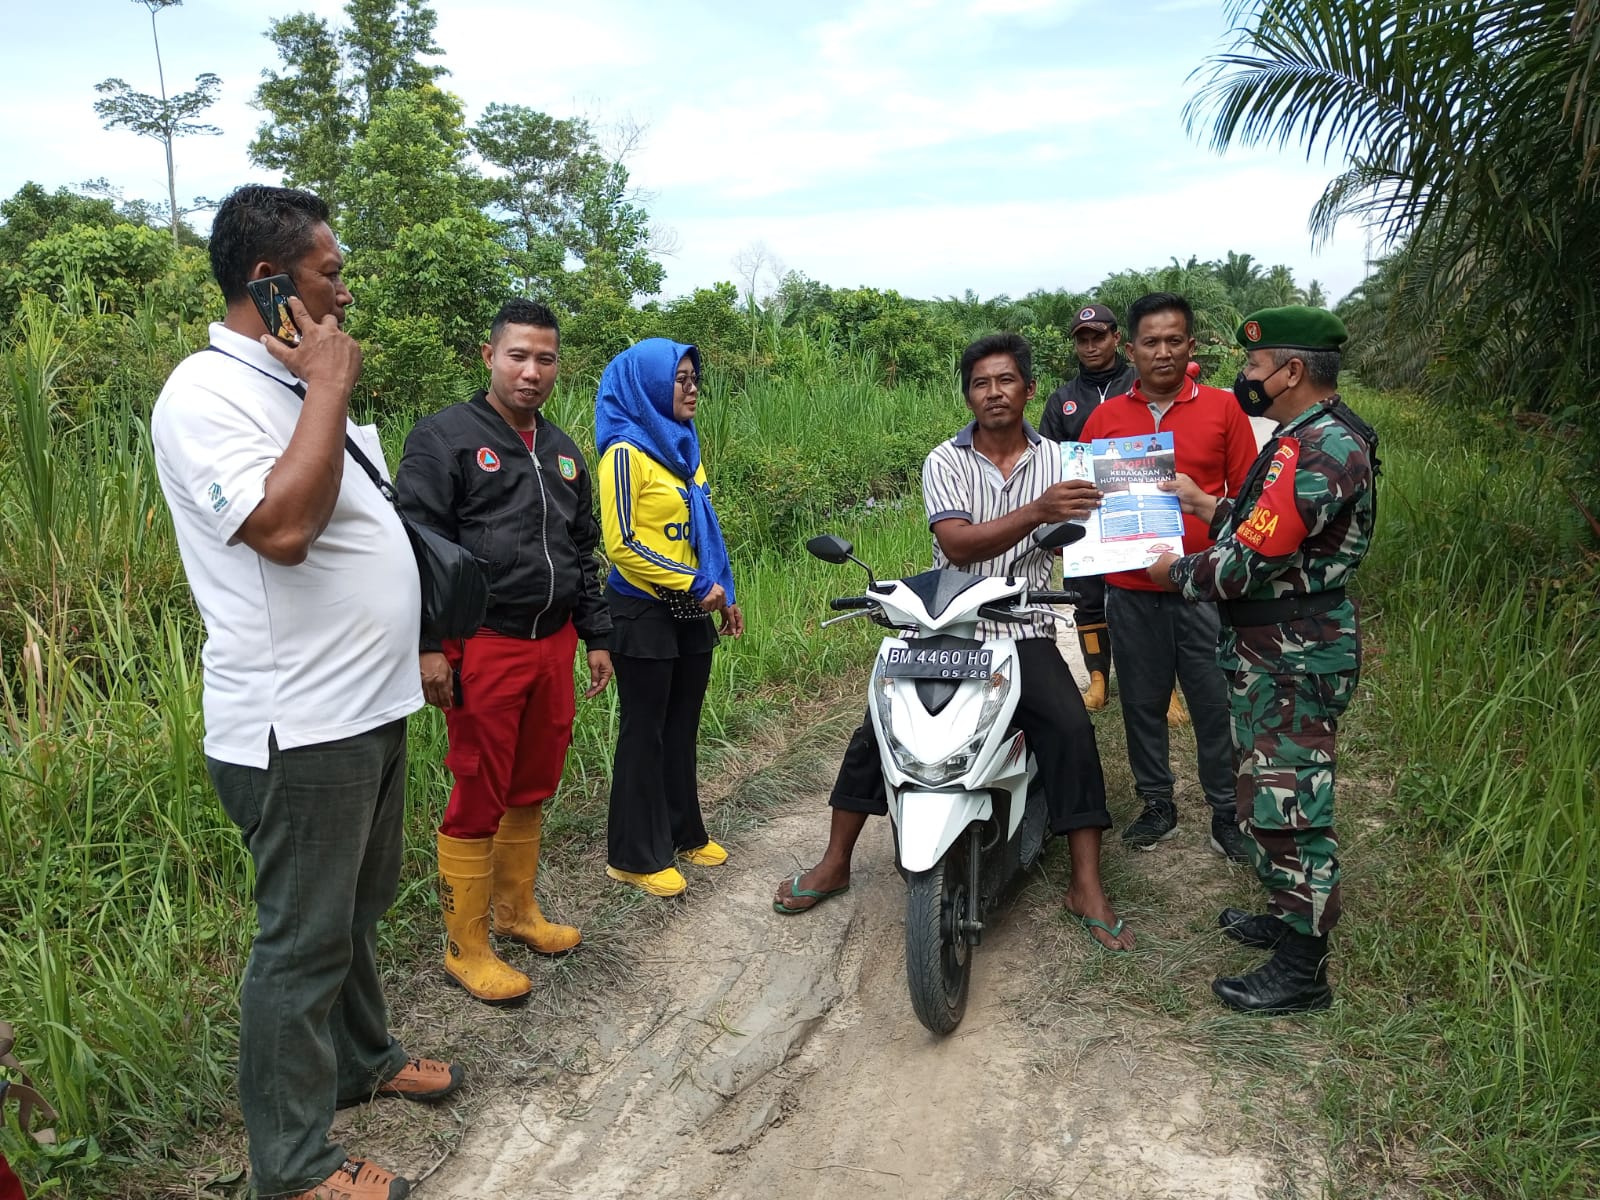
(1301, 526)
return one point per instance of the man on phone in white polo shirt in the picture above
(309, 591)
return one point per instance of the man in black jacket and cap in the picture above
(1102, 372)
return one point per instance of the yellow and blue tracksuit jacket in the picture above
(644, 519)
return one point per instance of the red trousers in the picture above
(510, 733)
(10, 1186)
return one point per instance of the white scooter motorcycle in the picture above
(966, 805)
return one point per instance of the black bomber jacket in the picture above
(527, 518)
(1067, 409)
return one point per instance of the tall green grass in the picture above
(1484, 697)
(124, 890)
(1466, 1045)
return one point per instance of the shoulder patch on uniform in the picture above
(1274, 528)
(488, 460)
(569, 467)
(1069, 407)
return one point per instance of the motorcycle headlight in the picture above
(953, 766)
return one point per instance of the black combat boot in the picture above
(1263, 931)
(1295, 979)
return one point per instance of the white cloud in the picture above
(1017, 245)
(931, 145)
(786, 141)
(1040, 9)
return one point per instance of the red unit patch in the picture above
(1274, 528)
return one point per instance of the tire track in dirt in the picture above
(764, 1055)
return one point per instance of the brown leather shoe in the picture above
(358, 1180)
(423, 1079)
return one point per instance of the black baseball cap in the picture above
(1093, 316)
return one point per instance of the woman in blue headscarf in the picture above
(669, 573)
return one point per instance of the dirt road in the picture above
(758, 1055)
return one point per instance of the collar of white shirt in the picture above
(251, 352)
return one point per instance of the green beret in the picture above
(1296, 327)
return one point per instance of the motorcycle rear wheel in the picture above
(938, 956)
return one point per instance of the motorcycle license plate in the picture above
(912, 662)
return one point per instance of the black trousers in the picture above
(1156, 638)
(655, 791)
(1050, 714)
(1092, 610)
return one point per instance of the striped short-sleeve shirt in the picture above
(959, 482)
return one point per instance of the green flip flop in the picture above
(1113, 930)
(796, 892)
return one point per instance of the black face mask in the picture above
(1252, 394)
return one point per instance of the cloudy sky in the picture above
(926, 145)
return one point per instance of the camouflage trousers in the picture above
(1283, 736)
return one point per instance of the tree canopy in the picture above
(1470, 130)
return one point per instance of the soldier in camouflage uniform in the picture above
(1290, 645)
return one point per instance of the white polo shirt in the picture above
(315, 652)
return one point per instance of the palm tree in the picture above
(1471, 130)
(1058, 308)
(1392, 340)
(976, 316)
(1241, 275)
(1279, 288)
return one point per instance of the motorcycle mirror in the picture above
(829, 548)
(1054, 537)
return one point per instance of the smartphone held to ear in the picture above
(271, 296)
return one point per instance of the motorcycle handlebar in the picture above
(992, 612)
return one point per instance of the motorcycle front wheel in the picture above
(938, 956)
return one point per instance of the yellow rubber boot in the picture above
(1176, 714)
(1095, 641)
(464, 898)
(516, 871)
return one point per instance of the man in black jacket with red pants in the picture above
(1102, 372)
(494, 475)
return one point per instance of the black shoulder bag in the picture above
(455, 594)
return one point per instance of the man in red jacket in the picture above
(1154, 638)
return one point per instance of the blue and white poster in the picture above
(1137, 522)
